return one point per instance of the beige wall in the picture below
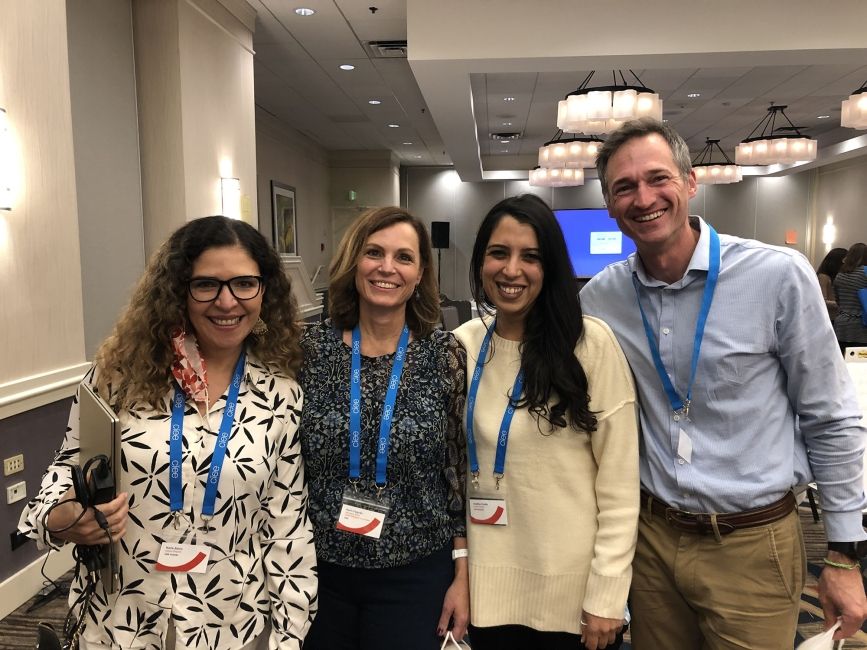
(289, 157)
(41, 322)
(842, 195)
(194, 70)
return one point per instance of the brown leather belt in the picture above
(703, 523)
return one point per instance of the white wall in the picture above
(287, 156)
(217, 107)
(194, 73)
(107, 174)
(842, 195)
(41, 322)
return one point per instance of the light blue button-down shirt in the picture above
(772, 405)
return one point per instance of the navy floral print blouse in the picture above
(427, 457)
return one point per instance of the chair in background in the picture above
(450, 317)
(465, 310)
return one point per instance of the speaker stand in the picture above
(439, 268)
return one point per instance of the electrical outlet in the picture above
(13, 465)
(15, 493)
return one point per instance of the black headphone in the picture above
(94, 482)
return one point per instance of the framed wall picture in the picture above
(284, 218)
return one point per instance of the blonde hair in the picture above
(134, 362)
(422, 309)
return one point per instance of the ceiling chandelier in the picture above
(708, 172)
(556, 177)
(770, 147)
(602, 109)
(575, 152)
(854, 110)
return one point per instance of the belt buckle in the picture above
(680, 519)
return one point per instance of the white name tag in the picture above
(363, 515)
(684, 446)
(183, 558)
(489, 512)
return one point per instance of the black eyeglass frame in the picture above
(228, 284)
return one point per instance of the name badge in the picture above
(489, 512)
(684, 446)
(361, 515)
(183, 558)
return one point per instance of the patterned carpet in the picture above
(18, 630)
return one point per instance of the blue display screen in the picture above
(593, 240)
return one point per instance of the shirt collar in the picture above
(700, 260)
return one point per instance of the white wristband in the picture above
(459, 552)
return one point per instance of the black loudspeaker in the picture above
(439, 234)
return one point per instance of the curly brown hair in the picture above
(422, 310)
(136, 357)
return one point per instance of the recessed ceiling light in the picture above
(507, 124)
(822, 117)
(508, 99)
(407, 143)
(693, 95)
(305, 11)
(393, 126)
(347, 66)
(418, 156)
(374, 102)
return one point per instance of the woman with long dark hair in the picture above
(553, 446)
(848, 326)
(826, 273)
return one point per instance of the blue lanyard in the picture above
(679, 405)
(176, 494)
(387, 408)
(505, 425)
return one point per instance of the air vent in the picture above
(506, 135)
(386, 49)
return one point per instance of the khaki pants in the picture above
(692, 592)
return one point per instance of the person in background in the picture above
(848, 325)
(384, 447)
(826, 273)
(743, 397)
(553, 444)
(207, 346)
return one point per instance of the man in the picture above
(743, 396)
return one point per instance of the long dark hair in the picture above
(555, 386)
(830, 266)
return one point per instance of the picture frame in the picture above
(284, 218)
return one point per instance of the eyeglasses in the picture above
(243, 287)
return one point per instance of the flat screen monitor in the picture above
(593, 240)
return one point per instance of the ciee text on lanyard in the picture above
(176, 493)
(505, 425)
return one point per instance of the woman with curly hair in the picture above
(207, 348)
(552, 436)
(383, 446)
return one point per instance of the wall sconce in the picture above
(231, 192)
(5, 163)
(829, 233)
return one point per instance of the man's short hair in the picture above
(639, 128)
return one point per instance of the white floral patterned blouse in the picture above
(262, 565)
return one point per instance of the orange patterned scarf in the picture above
(188, 367)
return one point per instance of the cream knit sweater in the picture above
(572, 498)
